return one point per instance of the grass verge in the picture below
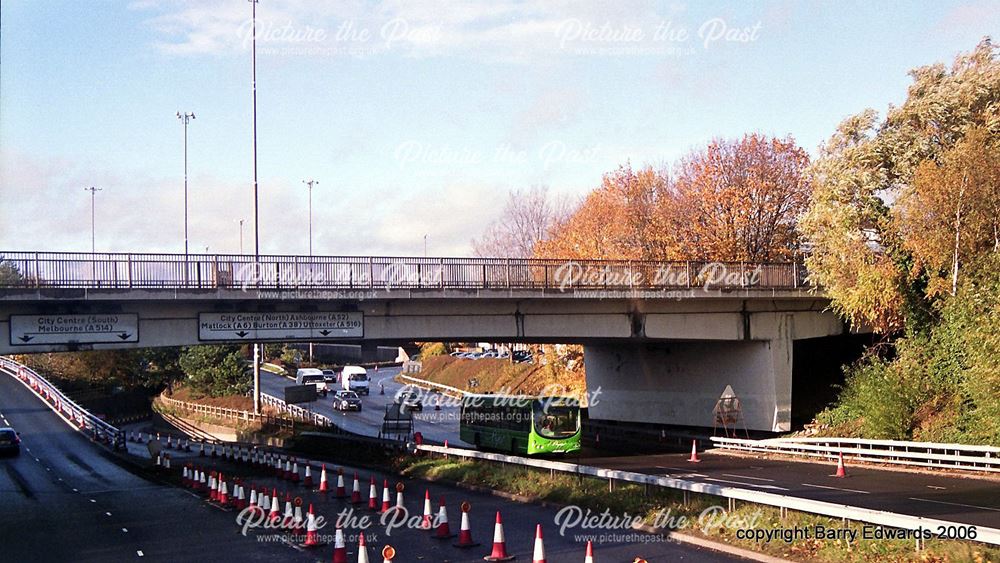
(702, 516)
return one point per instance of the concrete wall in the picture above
(680, 382)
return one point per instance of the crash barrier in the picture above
(833, 510)
(296, 412)
(227, 413)
(77, 416)
(919, 454)
(446, 389)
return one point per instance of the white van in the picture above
(355, 378)
(312, 376)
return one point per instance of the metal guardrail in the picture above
(823, 508)
(226, 413)
(296, 411)
(919, 454)
(210, 271)
(79, 417)
(446, 389)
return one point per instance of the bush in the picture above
(215, 370)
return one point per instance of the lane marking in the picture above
(835, 488)
(774, 487)
(108, 513)
(92, 500)
(139, 553)
(125, 530)
(957, 504)
(936, 487)
(76, 490)
(749, 477)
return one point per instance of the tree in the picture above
(950, 214)
(215, 370)
(9, 274)
(526, 220)
(739, 200)
(859, 252)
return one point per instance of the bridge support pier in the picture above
(679, 382)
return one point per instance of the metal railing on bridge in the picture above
(213, 271)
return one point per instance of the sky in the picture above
(415, 117)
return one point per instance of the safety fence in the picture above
(446, 389)
(829, 509)
(209, 271)
(225, 413)
(296, 412)
(77, 416)
(919, 454)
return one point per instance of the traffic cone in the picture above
(356, 490)
(201, 451)
(425, 523)
(362, 549)
(264, 502)
(339, 548)
(694, 452)
(443, 530)
(539, 555)
(184, 476)
(275, 514)
(590, 553)
(372, 495)
(203, 483)
(465, 531)
(166, 461)
(385, 497)
(341, 493)
(223, 492)
(289, 516)
(841, 470)
(298, 522)
(253, 501)
(323, 486)
(241, 498)
(388, 554)
(213, 487)
(295, 472)
(399, 496)
(308, 480)
(499, 552)
(312, 537)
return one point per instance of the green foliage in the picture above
(940, 385)
(291, 356)
(215, 370)
(143, 367)
(9, 274)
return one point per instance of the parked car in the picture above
(347, 401)
(409, 400)
(10, 441)
(457, 354)
(312, 376)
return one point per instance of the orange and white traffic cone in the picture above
(307, 481)
(253, 501)
(372, 495)
(339, 547)
(298, 522)
(223, 492)
(425, 523)
(356, 490)
(386, 503)
(694, 452)
(499, 552)
(590, 553)
(399, 496)
(288, 519)
(841, 470)
(388, 554)
(213, 487)
(203, 483)
(443, 530)
(362, 549)
(287, 473)
(323, 485)
(295, 472)
(184, 476)
(465, 532)
(341, 492)
(312, 536)
(275, 514)
(264, 502)
(539, 554)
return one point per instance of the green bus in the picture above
(521, 425)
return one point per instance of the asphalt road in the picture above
(435, 425)
(65, 499)
(965, 500)
(946, 497)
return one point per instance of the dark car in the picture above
(10, 441)
(329, 376)
(410, 400)
(346, 401)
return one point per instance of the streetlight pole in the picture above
(241, 237)
(256, 215)
(93, 215)
(185, 118)
(425, 246)
(310, 184)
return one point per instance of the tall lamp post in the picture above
(256, 215)
(310, 183)
(185, 118)
(241, 237)
(93, 229)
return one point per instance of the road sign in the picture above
(280, 326)
(96, 328)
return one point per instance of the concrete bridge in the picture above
(662, 339)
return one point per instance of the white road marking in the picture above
(754, 485)
(957, 504)
(108, 513)
(92, 500)
(139, 553)
(835, 488)
(125, 530)
(936, 487)
(748, 477)
(76, 490)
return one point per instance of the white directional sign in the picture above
(280, 326)
(97, 328)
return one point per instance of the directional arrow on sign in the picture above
(124, 336)
(26, 338)
(242, 333)
(325, 332)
